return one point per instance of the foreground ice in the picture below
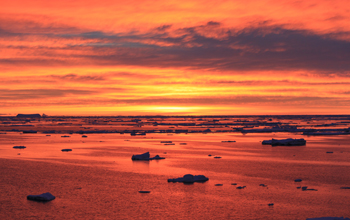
(189, 178)
(42, 197)
(285, 142)
(328, 218)
(19, 147)
(146, 156)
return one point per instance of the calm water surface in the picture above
(98, 179)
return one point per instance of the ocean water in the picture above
(98, 179)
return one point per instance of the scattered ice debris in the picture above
(183, 143)
(345, 187)
(227, 141)
(66, 150)
(166, 142)
(170, 144)
(329, 152)
(304, 188)
(143, 191)
(263, 185)
(285, 142)
(48, 135)
(84, 136)
(298, 180)
(65, 136)
(42, 197)
(209, 155)
(270, 204)
(137, 133)
(328, 218)
(19, 147)
(240, 187)
(218, 184)
(29, 132)
(189, 178)
(234, 184)
(217, 157)
(145, 156)
(298, 187)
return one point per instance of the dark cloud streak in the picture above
(208, 46)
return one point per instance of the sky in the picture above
(193, 57)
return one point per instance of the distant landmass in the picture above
(28, 116)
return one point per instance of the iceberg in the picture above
(42, 197)
(146, 156)
(285, 142)
(189, 178)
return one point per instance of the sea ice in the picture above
(189, 178)
(66, 150)
(146, 156)
(285, 142)
(19, 147)
(42, 197)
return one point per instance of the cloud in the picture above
(26, 94)
(208, 46)
(79, 78)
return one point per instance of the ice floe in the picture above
(19, 147)
(189, 178)
(145, 156)
(285, 142)
(42, 197)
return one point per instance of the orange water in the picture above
(99, 180)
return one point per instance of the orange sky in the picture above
(174, 57)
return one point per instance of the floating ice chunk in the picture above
(29, 132)
(189, 178)
(218, 184)
(19, 147)
(298, 180)
(66, 150)
(217, 157)
(143, 191)
(285, 142)
(146, 156)
(328, 218)
(270, 204)
(42, 197)
(240, 187)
